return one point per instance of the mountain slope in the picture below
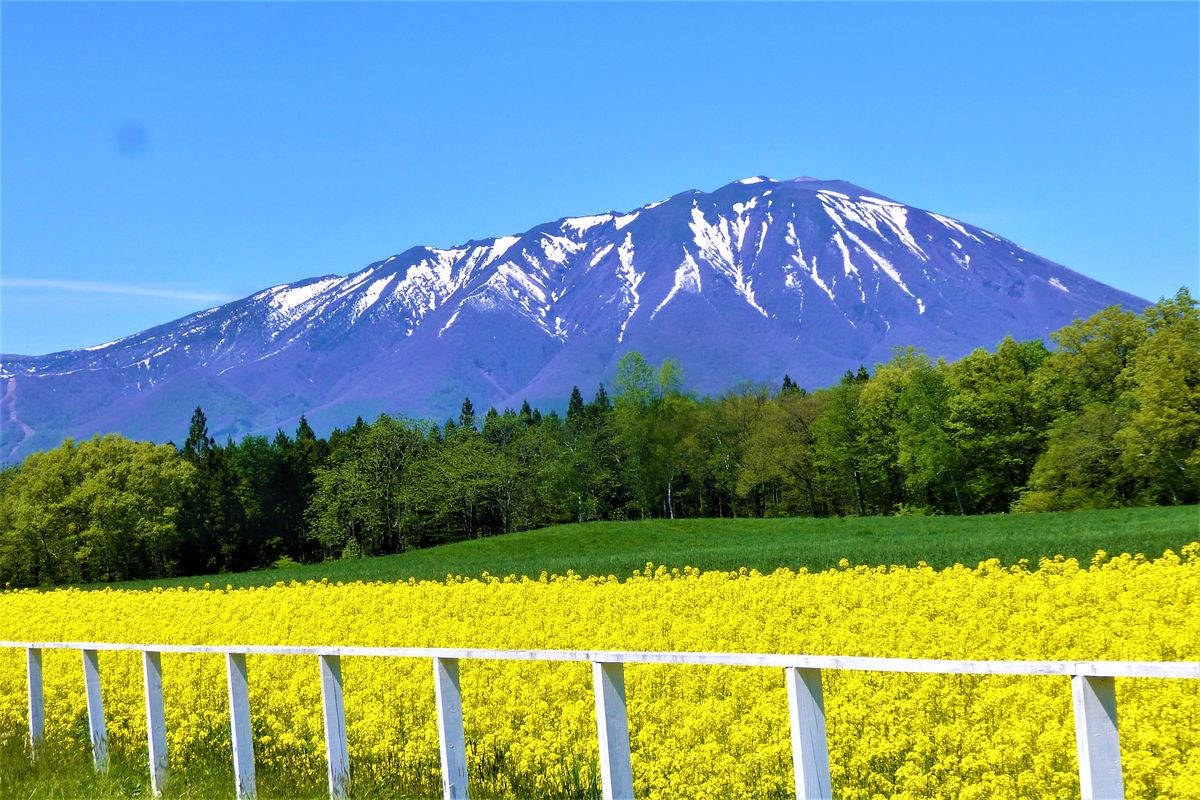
(756, 279)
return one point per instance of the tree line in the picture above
(1109, 417)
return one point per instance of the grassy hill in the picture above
(618, 548)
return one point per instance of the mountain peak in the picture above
(756, 279)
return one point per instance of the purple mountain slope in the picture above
(758, 278)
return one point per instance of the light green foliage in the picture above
(1124, 391)
(1088, 361)
(1159, 439)
(653, 422)
(103, 509)
(838, 443)
(634, 383)
(994, 422)
(1078, 469)
(879, 418)
(927, 456)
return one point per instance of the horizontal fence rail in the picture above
(1092, 689)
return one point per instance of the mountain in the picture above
(758, 278)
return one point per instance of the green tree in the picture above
(456, 482)
(582, 474)
(879, 429)
(360, 504)
(995, 423)
(466, 416)
(295, 486)
(837, 440)
(1079, 468)
(927, 456)
(104, 509)
(1159, 440)
(198, 442)
(651, 417)
(1090, 356)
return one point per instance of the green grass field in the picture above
(619, 548)
(62, 773)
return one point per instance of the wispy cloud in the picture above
(102, 287)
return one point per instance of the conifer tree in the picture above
(601, 403)
(466, 417)
(198, 443)
(575, 408)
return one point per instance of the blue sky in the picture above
(160, 158)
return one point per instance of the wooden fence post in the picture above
(37, 702)
(612, 725)
(810, 744)
(156, 720)
(95, 708)
(334, 713)
(451, 739)
(239, 726)
(1094, 701)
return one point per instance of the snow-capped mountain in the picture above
(758, 278)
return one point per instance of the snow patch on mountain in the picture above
(500, 247)
(370, 297)
(632, 279)
(622, 221)
(871, 215)
(289, 303)
(880, 262)
(582, 225)
(449, 322)
(687, 279)
(559, 249)
(600, 254)
(716, 243)
(954, 225)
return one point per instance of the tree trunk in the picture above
(957, 498)
(858, 493)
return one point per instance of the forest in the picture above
(1109, 416)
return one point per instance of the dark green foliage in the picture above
(575, 408)
(1109, 418)
(466, 417)
(600, 403)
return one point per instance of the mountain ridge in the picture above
(757, 278)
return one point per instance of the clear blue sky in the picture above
(158, 158)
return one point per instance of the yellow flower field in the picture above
(714, 732)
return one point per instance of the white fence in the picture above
(1092, 689)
